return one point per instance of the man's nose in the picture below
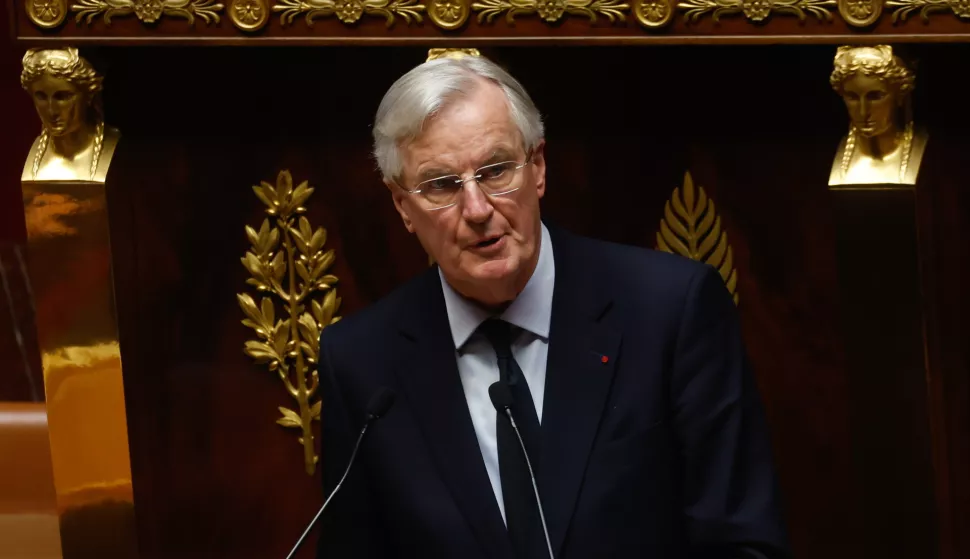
(476, 206)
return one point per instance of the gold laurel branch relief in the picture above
(148, 11)
(691, 227)
(550, 10)
(756, 10)
(350, 11)
(960, 8)
(287, 263)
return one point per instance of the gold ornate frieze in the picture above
(148, 11)
(959, 8)
(350, 11)
(691, 227)
(756, 11)
(550, 11)
(287, 263)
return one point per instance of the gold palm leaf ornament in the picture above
(287, 264)
(691, 227)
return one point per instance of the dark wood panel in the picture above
(943, 208)
(20, 375)
(883, 331)
(757, 127)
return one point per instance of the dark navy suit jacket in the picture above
(659, 451)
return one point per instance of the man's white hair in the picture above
(425, 90)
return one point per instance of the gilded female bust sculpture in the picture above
(882, 146)
(74, 144)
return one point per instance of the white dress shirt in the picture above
(529, 314)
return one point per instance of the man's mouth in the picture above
(488, 242)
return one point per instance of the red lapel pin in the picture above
(605, 359)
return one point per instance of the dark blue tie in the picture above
(521, 510)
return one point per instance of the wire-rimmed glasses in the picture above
(494, 179)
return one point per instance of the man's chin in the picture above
(495, 269)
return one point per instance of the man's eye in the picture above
(441, 184)
(494, 172)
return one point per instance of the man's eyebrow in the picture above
(498, 155)
(433, 173)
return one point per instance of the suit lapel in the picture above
(430, 377)
(583, 352)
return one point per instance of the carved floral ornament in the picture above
(252, 15)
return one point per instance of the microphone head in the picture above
(501, 396)
(380, 402)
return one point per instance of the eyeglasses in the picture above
(494, 180)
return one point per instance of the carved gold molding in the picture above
(550, 10)
(287, 262)
(435, 53)
(756, 10)
(350, 11)
(148, 11)
(860, 13)
(960, 8)
(448, 14)
(249, 15)
(451, 15)
(46, 14)
(654, 13)
(691, 227)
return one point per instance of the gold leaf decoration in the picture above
(960, 8)
(691, 227)
(350, 11)
(756, 10)
(550, 10)
(46, 14)
(436, 53)
(148, 11)
(653, 14)
(448, 14)
(249, 15)
(860, 13)
(286, 262)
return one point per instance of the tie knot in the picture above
(499, 334)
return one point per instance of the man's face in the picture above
(487, 246)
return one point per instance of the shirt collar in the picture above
(531, 310)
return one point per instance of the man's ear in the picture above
(539, 162)
(398, 195)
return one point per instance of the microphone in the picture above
(501, 398)
(379, 403)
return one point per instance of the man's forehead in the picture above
(431, 162)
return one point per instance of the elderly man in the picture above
(623, 368)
